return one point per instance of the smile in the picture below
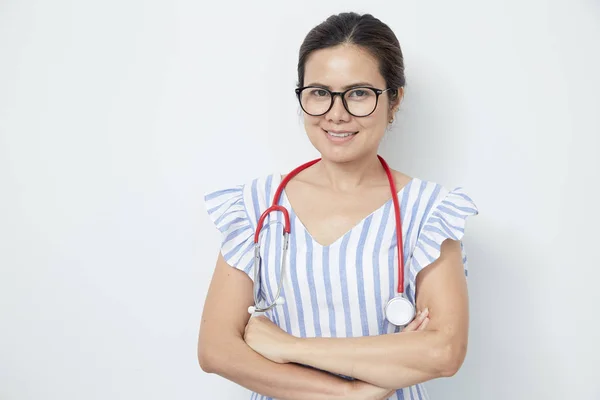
(341, 134)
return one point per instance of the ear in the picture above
(395, 104)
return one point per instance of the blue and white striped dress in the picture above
(339, 290)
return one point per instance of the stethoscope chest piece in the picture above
(399, 311)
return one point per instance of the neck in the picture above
(349, 176)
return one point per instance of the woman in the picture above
(330, 338)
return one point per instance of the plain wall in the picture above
(117, 116)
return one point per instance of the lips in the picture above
(340, 134)
(339, 137)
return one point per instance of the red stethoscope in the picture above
(398, 311)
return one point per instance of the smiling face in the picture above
(337, 69)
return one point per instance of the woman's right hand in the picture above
(365, 391)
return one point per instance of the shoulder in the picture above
(433, 205)
(417, 193)
(233, 209)
(250, 196)
(401, 179)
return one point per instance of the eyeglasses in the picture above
(358, 101)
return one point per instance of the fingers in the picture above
(417, 321)
(412, 325)
(424, 324)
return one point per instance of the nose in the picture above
(338, 112)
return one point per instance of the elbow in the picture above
(448, 354)
(216, 352)
(450, 358)
(206, 361)
(207, 358)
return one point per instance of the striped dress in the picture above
(339, 290)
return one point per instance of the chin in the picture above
(340, 155)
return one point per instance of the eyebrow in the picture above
(344, 87)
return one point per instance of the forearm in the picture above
(389, 361)
(235, 361)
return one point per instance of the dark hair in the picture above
(365, 31)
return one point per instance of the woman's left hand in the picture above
(268, 340)
(419, 323)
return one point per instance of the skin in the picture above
(330, 198)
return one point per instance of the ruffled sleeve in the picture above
(227, 210)
(446, 220)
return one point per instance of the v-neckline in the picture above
(294, 216)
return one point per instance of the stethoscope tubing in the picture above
(287, 230)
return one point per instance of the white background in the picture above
(117, 116)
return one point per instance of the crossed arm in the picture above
(263, 358)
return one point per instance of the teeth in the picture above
(340, 135)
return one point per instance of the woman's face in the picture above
(337, 69)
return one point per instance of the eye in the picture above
(319, 93)
(359, 93)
